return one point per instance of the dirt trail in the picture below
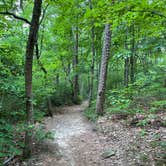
(78, 143)
(75, 143)
(67, 126)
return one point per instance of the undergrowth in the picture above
(146, 96)
(13, 119)
(90, 112)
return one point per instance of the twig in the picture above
(8, 160)
(160, 159)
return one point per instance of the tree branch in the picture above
(44, 12)
(157, 13)
(28, 22)
(16, 17)
(38, 59)
(8, 160)
(150, 11)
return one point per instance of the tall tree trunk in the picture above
(132, 58)
(92, 60)
(103, 71)
(57, 79)
(126, 66)
(165, 82)
(50, 107)
(21, 4)
(98, 64)
(132, 69)
(126, 72)
(75, 66)
(32, 38)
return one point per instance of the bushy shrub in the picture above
(90, 112)
(12, 117)
(11, 139)
(62, 95)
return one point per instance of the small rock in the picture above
(108, 153)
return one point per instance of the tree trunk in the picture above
(93, 60)
(132, 69)
(21, 4)
(132, 58)
(32, 38)
(97, 70)
(57, 79)
(75, 66)
(50, 107)
(126, 66)
(103, 71)
(126, 72)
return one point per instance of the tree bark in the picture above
(126, 66)
(93, 59)
(75, 66)
(57, 79)
(21, 4)
(103, 70)
(32, 38)
(132, 58)
(50, 107)
(126, 72)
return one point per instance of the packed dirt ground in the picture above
(111, 141)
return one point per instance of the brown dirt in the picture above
(77, 142)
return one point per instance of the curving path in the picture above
(75, 143)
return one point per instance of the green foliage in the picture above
(143, 132)
(90, 112)
(11, 139)
(131, 20)
(161, 145)
(12, 117)
(38, 115)
(62, 95)
(146, 120)
(146, 95)
(41, 135)
(117, 102)
(161, 104)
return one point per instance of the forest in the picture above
(83, 82)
